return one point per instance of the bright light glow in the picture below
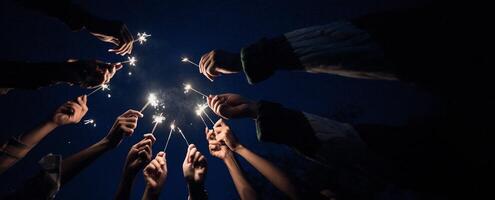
(142, 37)
(89, 121)
(132, 60)
(185, 59)
(158, 118)
(172, 126)
(153, 100)
(109, 95)
(198, 112)
(187, 87)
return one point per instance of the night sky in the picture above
(183, 28)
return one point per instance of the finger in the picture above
(202, 62)
(129, 125)
(143, 143)
(127, 131)
(132, 119)
(191, 154)
(196, 156)
(118, 66)
(202, 159)
(131, 113)
(151, 137)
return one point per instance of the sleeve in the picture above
(25, 75)
(338, 48)
(73, 15)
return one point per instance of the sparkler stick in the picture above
(157, 119)
(172, 128)
(131, 60)
(198, 113)
(189, 61)
(188, 87)
(152, 100)
(102, 87)
(202, 108)
(183, 136)
(142, 38)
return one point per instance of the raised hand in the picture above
(232, 106)
(71, 112)
(194, 166)
(218, 62)
(114, 32)
(155, 173)
(89, 73)
(216, 148)
(124, 126)
(139, 155)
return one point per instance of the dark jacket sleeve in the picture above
(261, 59)
(73, 15)
(25, 75)
(285, 126)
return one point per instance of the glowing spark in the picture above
(157, 119)
(102, 87)
(152, 100)
(109, 95)
(198, 113)
(130, 73)
(188, 87)
(132, 60)
(185, 59)
(90, 122)
(202, 109)
(142, 38)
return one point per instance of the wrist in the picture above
(238, 148)
(106, 143)
(51, 124)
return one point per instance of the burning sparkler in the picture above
(188, 87)
(102, 87)
(152, 100)
(90, 122)
(131, 60)
(185, 59)
(157, 119)
(172, 128)
(202, 109)
(142, 38)
(199, 113)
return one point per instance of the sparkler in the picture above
(90, 121)
(152, 100)
(185, 59)
(172, 128)
(183, 136)
(157, 119)
(202, 108)
(102, 87)
(131, 60)
(188, 87)
(198, 113)
(142, 38)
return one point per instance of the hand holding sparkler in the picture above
(216, 148)
(124, 126)
(89, 73)
(218, 62)
(194, 166)
(223, 134)
(71, 112)
(139, 155)
(155, 174)
(114, 32)
(232, 106)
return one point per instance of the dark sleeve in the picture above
(25, 75)
(261, 59)
(284, 126)
(73, 15)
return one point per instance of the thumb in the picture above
(160, 154)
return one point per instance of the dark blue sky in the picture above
(182, 28)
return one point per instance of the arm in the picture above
(123, 126)
(270, 171)
(246, 192)
(69, 113)
(26, 75)
(77, 18)
(138, 157)
(221, 151)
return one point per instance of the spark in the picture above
(202, 108)
(157, 119)
(142, 38)
(199, 113)
(152, 100)
(185, 59)
(131, 60)
(109, 95)
(188, 87)
(102, 87)
(130, 73)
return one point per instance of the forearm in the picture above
(246, 192)
(197, 191)
(261, 59)
(18, 147)
(150, 194)
(278, 178)
(28, 75)
(76, 163)
(125, 187)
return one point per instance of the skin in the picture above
(89, 73)
(138, 157)
(69, 113)
(223, 134)
(194, 168)
(246, 192)
(231, 106)
(114, 32)
(124, 126)
(218, 62)
(155, 174)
